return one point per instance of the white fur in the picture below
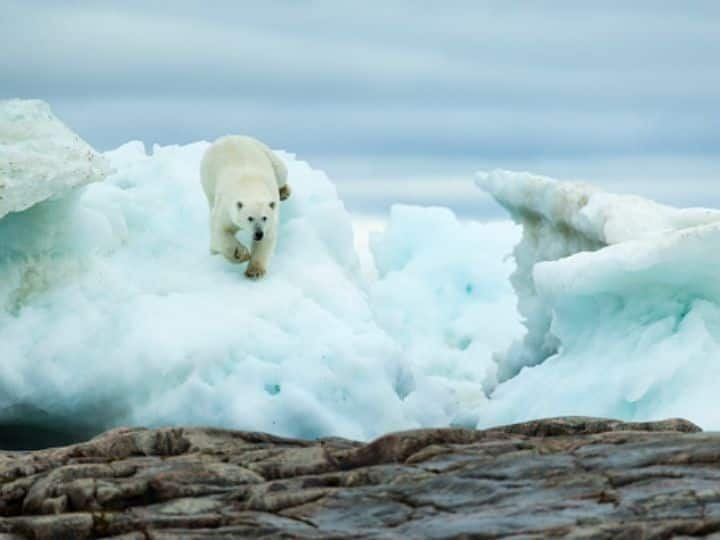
(237, 169)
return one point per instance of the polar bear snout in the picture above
(258, 235)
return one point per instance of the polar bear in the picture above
(243, 181)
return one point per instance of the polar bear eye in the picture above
(239, 204)
(264, 218)
(251, 218)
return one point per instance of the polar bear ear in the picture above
(239, 204)
(272, 205)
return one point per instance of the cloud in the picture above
(461, 82)
(368, 128)
(466, 51)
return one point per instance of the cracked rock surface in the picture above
(570, 477)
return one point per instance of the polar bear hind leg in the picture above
(280, 173)
(284, 192)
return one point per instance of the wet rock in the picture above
(567, 477)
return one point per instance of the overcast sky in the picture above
(397, 100)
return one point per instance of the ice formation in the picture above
(621, 302)
(443, 293)
(113, 312)
(123, 317)
(40, 157)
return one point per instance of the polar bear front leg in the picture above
(223, 241)
(226, 244)
(240, 254)
(260, 257)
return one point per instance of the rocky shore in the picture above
(570, 477)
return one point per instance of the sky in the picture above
(399, 101)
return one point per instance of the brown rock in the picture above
(571, 477)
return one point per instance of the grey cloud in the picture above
(460, 83)
(348, 129)
(454, 51)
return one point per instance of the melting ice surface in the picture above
(114, 313)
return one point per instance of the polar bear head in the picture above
(256, 216)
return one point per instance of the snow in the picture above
(40, 157)
(443, 293)
(623, 294)
(113, 312)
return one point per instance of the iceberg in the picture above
(113, 312)
(40, 157)
(620, 300)
(41, 161)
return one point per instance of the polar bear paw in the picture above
(285, 192)
(241, 254)
(237, 254)
(254, 271)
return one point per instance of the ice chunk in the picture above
(558, 220)
(443, 293)
(40, 157)
(42, 233)
(150, 329)
(601, 218)
(621, 301)
(113, 312)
